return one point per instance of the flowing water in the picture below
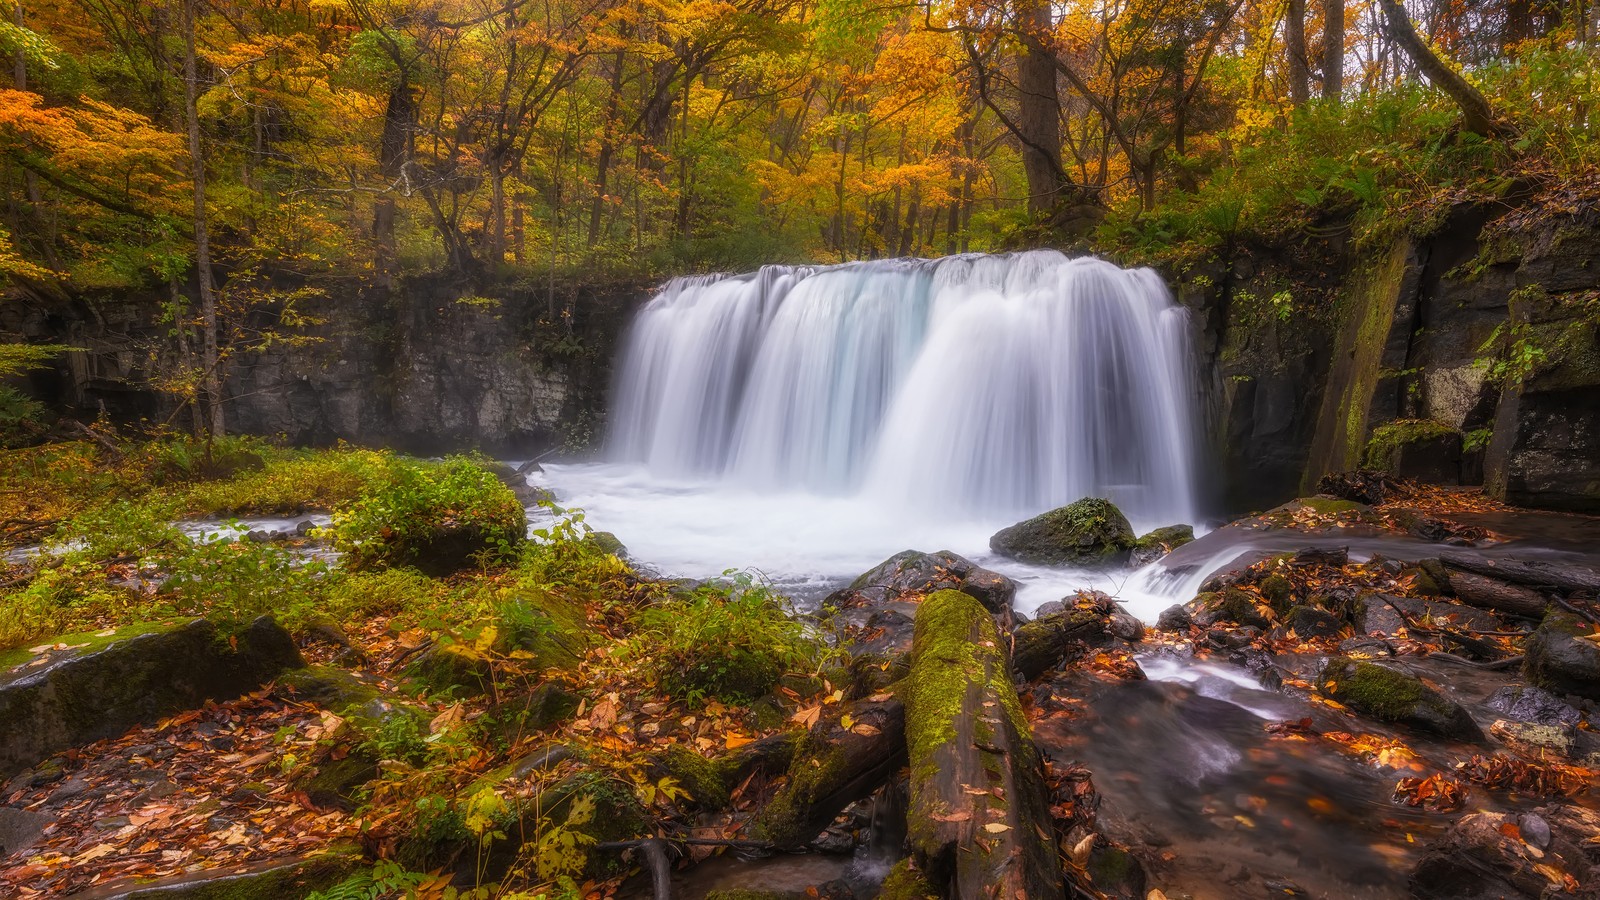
(810, 422)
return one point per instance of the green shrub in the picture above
(290, 483)
(121, 528)
(73, 596)
(730, 644)
(182, 459)
(437, 517)
(236, 581)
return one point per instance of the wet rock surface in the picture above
(1088, 533)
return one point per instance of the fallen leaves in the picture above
(1539, 779)
(1436, 792)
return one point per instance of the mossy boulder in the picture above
(1228, 606)
(1559, 657)
(1395, 697)
(1311, 622)
(139, 675)
(1419, 449)
(1156, 544)
(1090, 533)
(705, 780)
(606, 542)
(912, 574)
(1278, 591)
(906, 882)
(522, 714)
(451, 668)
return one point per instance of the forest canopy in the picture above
(374, 137)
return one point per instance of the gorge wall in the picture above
(1487, 329)
(427, 365)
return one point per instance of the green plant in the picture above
(728, 643)
(235, 581)
(122, 528)
(435, 516)
(386, 879)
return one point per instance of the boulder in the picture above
(19, 828)
(1173, 618)
(1491, 855)
(912, 573)
(1396, 697)
(1156, 544)
(1090, 533)
(1418, 449)
(1526, 703)
(1386, 614)
(1560, 659)
(1311, 622)
(1230, 605)
(139, 674)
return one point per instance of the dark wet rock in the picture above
(1537, 706)
(1395, 697)
(1490, 856)
(19, 828)
(1261, 665)
(1560, 660)
(132, 677)
(1115, 872)
(1156, 544)
(1232, 638)
(517, 481)
(1091, 533)
(1231, 605)
(1050, 608)
(1050, 641)
(1386, 614)
(912, 574)
(547, 758)
(1416, 449)
(1173, 618)
(1123, 624)
(1335, 557)
(1362, 486)
(1310, 622)
(272, 880)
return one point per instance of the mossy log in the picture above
(1049, 641)
(843, 758)
(978, 821)
(1491, 593)
(1563, 577)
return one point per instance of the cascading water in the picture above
(987, 385)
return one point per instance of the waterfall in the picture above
(989, 385)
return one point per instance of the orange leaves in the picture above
(1539, 779)
(1436, 792)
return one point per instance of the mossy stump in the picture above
(978, 822)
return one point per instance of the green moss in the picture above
(783, 820)
(451, 667)
(1372, 689)
(606, 542)
(1383, 448)
(1329, 506)
(1090, 532)
(741, 894)
(1278, 590)
(82, 643)
(339, 782)
(705, 780)
(1237, 606)
(1169, 538)
(907, 883)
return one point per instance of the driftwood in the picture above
(1564, 577)
(1047, 642)
(844, 758)
(1492, 593)
(978, 821)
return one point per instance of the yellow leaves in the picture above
(807, 717)
(997, 828)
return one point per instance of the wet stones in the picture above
(1559, 659)
(1090, 533)
(1396, 697)
(1496, 855)
(1156, 544)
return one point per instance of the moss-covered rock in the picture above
(1421, 449)
(1156, 544)
(1395, 697)
(914, 574)
(451, 668)
(1229, 605)
(95, 692)
(522, 714)
(1279, 592)
(1090, 532)
(705, 780)
(843, 758)
(1559, 658)
(606, 542)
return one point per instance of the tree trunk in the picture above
(1476, 113)
(1039, 110)
(210, 354)
(1489, 593)
(1563, 577)
(979, 825)
(1332, 50)
(1047, 642)
(1294, 47)
(833, 767)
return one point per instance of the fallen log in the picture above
(978, 821)
(843, 758)
(1564, 577)
(1492, 593)
(1047, 642)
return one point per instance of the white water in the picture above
(810, 422)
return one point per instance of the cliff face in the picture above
(427, 365)
(1489, 326)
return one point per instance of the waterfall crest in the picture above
(994, 385)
